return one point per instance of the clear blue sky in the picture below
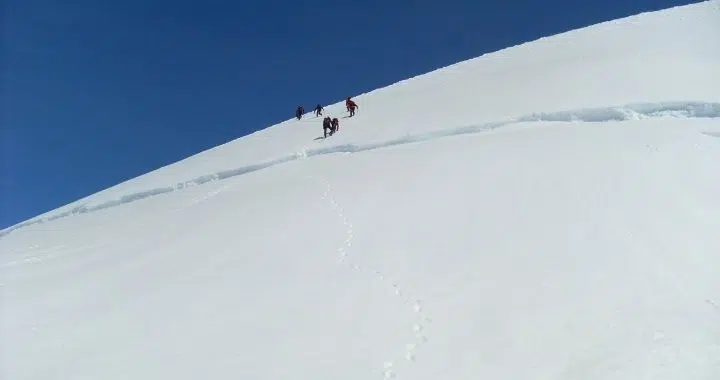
(97, 92)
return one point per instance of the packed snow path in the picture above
(591, 115)
(409, 352)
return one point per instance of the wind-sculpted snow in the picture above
(589, 115)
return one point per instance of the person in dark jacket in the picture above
(327, 126)
(299, 112)
(318, 110)
(335, 124)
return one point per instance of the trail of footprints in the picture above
(408, 354)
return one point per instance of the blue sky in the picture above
(97, 92)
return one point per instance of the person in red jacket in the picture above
(351, 106)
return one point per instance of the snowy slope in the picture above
(654, 58)
(549, 211)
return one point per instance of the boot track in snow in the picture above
(409, 352)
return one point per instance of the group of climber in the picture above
(330, 125)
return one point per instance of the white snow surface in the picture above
(547, 211)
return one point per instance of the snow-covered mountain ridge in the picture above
(548, 211)
(629, 112)
(657, 59)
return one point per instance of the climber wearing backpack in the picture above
(318, 110)
(351, 106)
(327, 126)
(299, 112)
(335, 124)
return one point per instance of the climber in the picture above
(351, 106)
(327, 126)
(299, 112)
(335, 124)
(318, 110)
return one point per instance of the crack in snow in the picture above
(418, 327)
(636, 111)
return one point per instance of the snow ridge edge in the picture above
(635, 111)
